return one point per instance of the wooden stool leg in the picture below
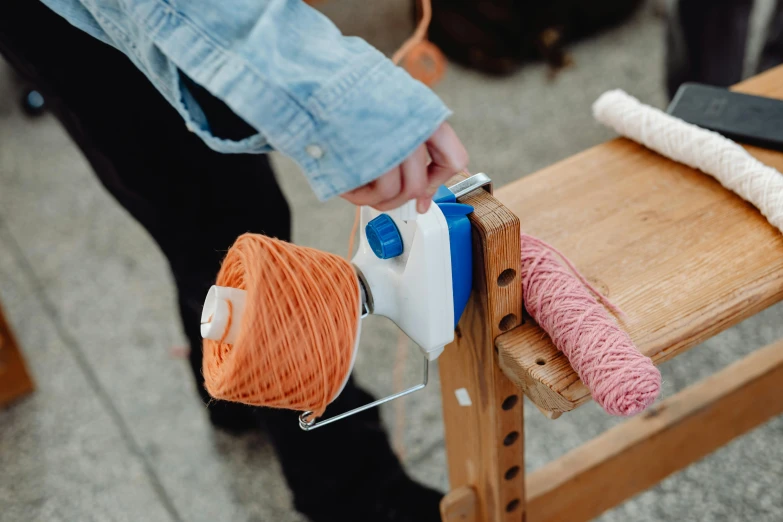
(482, 407)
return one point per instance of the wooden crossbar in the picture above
(639, 453)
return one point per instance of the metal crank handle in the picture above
(308, 424)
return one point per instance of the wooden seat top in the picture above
(683, 257)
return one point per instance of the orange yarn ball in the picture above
(298, 331)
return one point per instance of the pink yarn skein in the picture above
(622, 380)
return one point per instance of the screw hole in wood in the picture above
(511, 438)
(540, 361)
(506, 277)
(511, 473)
(507, 322)
(510, 402)
(511, 506)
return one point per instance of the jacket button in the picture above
(314, 151)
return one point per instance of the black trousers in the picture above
(174, 185)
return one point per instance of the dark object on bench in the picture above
(498, 36)
(745, 118)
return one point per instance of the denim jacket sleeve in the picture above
(333, 104)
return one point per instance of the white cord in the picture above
(699, 148)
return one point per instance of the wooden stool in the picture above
(682, 256)
(15, 380)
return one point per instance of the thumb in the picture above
(448, 155)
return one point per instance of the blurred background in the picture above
(114, 430)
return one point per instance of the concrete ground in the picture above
(114, 431)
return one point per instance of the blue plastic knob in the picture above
(383, 237)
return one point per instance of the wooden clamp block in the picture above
(15, 380)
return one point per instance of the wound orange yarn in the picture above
(298, 330)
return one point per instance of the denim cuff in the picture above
(357, 131)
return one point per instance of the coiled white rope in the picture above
(699, 148)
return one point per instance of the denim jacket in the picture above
(333, 104)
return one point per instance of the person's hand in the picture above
(417, 177)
